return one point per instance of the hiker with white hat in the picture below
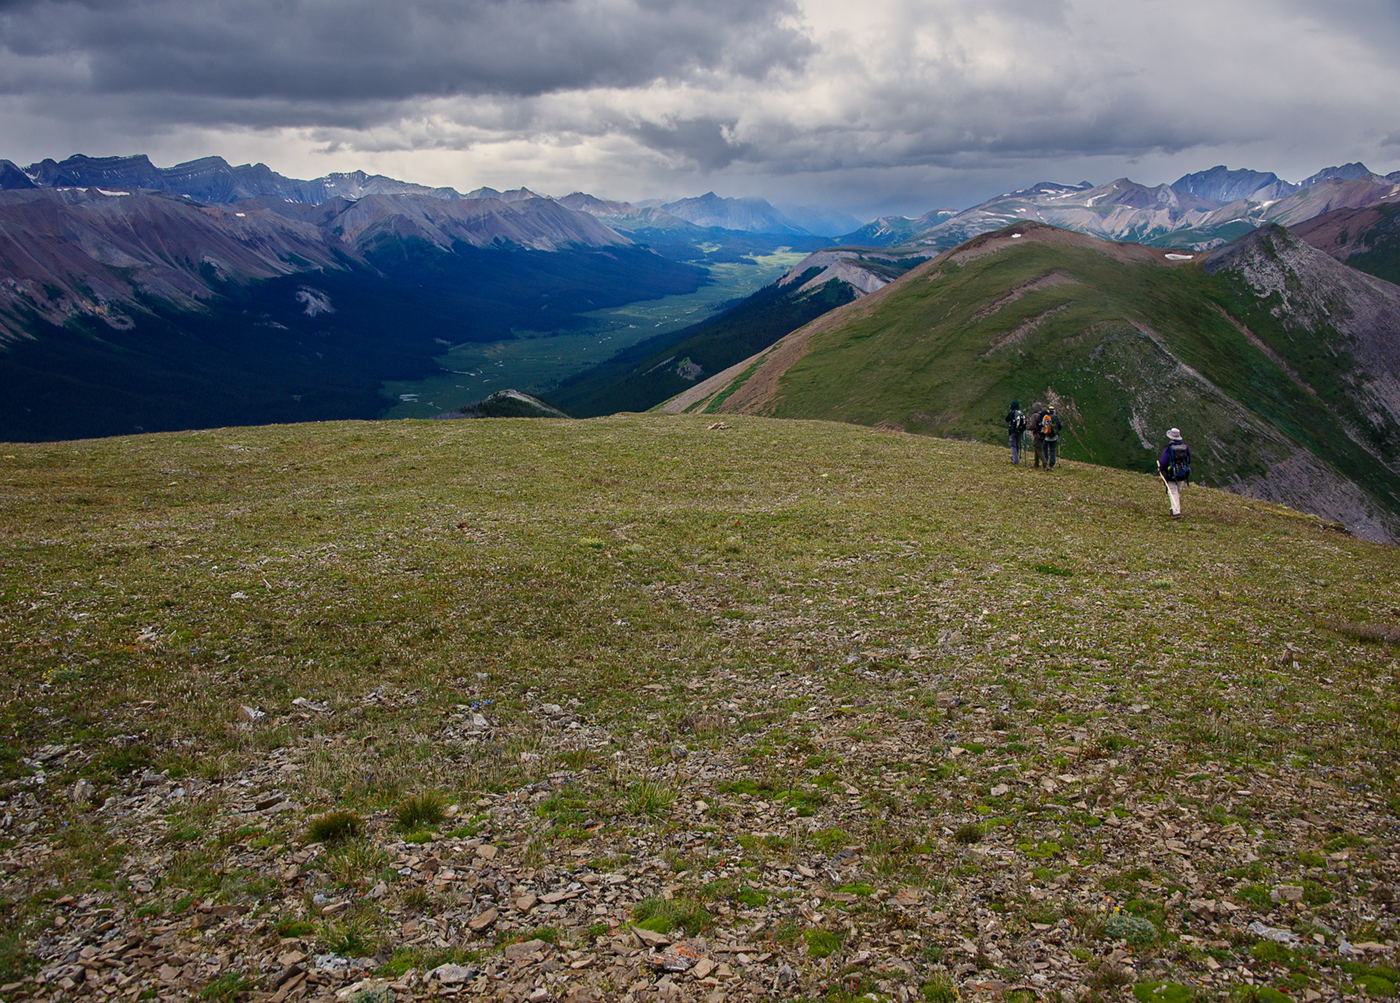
(1174, 466)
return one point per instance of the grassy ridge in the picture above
(1108, 338)
(788, 600)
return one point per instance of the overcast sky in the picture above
(875, 107)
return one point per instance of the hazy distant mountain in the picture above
(751, 214)
(820, 221)
(1222, 185)
(514, 195)
(1124, 210)
(1119, 210)
(1347, 172)
(213, 179)
(889, 230)
(624, 215)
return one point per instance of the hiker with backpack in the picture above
(1015, 430)
(1050, 434)
(1174, 466)
(1037, 437)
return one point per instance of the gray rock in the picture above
(454, 975)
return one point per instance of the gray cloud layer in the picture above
(351, 51)
(892, 102)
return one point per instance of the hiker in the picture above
(1037, 438)
(1050, 432)
(1015, 430)
(1174, 466)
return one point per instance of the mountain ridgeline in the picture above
(1198, 211)
(1279, 363)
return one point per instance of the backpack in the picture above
(1047, 425)
(1181, 461)
(1016, 421)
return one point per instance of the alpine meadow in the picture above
(535, 501)
(751, 707)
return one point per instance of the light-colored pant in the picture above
(1174, 495)
(1015, 439)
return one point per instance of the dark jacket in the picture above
(1164, 462)
(1035, 425)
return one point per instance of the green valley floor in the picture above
(664, 708)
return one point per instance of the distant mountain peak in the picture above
(1347, 172)
(1223, 185)
(756, 215)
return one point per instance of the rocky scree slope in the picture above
(1127, 341)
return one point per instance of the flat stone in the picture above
(650, 938)
(453, 975)
(525, 902)
(482, 921)
(524, 949)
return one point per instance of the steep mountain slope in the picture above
(1127, 341)
(644, 375)
(65, 253)
(1366, 239)
(151, 311)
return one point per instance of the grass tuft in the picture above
(421, 811)
(334, 827)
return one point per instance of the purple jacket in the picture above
(1164, 462)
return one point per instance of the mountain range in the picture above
(213, 179)
(140, 298)
(1198, 211)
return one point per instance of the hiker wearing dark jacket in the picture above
(1037, 437)
(1050, 431)
(1015, 430)
(1174, 466)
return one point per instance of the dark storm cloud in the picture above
(702, 142)
(865, 103)
(316, 54)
